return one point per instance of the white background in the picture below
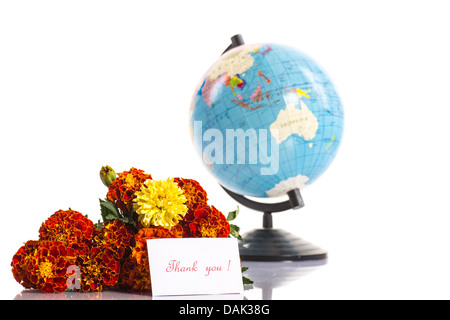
(89, 83)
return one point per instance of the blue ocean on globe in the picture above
(266, 119)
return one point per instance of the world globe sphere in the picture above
(266, 119)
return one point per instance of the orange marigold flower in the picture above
(205, 221)
(68, 226)
(139, 252)
(116, 236)
(193, 191)
(135, 272)
(121, 191)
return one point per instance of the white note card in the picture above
(190, 266)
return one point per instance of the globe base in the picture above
(277, 245)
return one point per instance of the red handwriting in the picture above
(174, 266)
(209, 269)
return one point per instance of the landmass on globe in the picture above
(294, 121)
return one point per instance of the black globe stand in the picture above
(236, 41)
(268, 244)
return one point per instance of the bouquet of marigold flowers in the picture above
(76, 254)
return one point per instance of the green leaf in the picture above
(109, 210)
(110, 216)
(125, 219)
(234, 231)
(234, 227)
(246, 280)
(232, 215)
(111, 206)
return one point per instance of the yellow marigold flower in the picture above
(160, 203)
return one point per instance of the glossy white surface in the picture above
(272, 280)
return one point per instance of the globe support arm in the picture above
(295, 202)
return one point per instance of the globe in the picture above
(266, 119)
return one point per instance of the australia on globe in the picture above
(266, 119)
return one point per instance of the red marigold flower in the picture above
(69, 239)
(193, 191)
(134, 276)
(99, 269)
(121, 191)
(204, 221)
(68, 226)
(116, 236)
(43, 265)
(22, 261)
